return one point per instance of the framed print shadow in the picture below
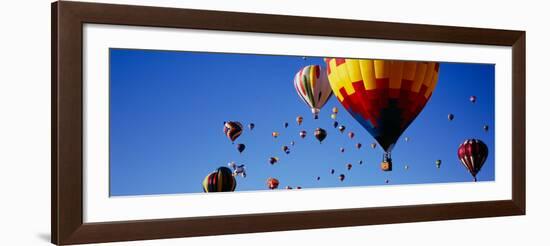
(173, 122)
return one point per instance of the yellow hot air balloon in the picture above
(384, 96)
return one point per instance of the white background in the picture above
(25, 123)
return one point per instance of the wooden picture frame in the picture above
(67, 122)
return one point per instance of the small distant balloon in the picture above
(299, 120)
(273, 160)
(387, 181)
(335, 124)
(286, 124)
(342, 128)
(473, 99)
(303, 134)
(342, 177)
(318, 178)
(286, 149)
(275, 134)
(373, 145)
(334, 110)
(486, 128)
(292, 143)
(342, 149)
(360, 162)
(320, 134)
(438, 163)
(272, 183)
(288, 187)
(406, 167)
(331, 171)
(407, 139)
(241, 147)
(298, 187)
(349, 166)
(333, 116)
(251, 126)
(351, 135)
(358, 145)
(450, 117)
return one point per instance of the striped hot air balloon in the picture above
(232, 129)
(312, 86)
(384, 96)
(473, 153)
(221, 180)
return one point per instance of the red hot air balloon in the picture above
(384, 96)
(232, 129)
(349, 166)
(272, 183)
(473, 153)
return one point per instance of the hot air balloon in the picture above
(251, 126)
(320, 134)
(241, 147)
(333, 116)
(342, 128)
(473, 153)
(384, 96)
(349, 166)
(285, 149)
(238, 169)
(387, 181)
(312, 86)
(450, 117)
(298, 187)
(341, 177)
(473, 99)
(275, 134)
(373, 145)
(221, 180)
(288, 187)
(303, 134)
(334, 110)
(318, 178)
(272, 183)
(486, 128)
(360, 162)
(286, 124)
(335, 124)
(299, 120)
(351, 135)
(332, 171)
(407, 139)
(273, 160)
(342, 149)
(292, 143)
(358, 145)
(232, 129)
(438, 163)
(406, 167)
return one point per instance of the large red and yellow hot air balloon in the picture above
(384, 96)
(473, 153)
(312, 86)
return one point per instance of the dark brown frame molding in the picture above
(67, 206)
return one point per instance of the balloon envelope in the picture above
(272, 183)
(312, 86)
(384, 96)
(221, 180)
(232, 129)
(320, 134)
(241, 147)
(473, 153)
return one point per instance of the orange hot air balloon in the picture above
(384, 96)
(272, 183)
(299, 120)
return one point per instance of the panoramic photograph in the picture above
(198, 122)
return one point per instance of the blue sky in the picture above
(167, 111)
